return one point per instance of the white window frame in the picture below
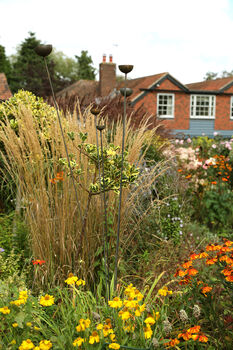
(231, 108)
(194, 116)
(166, 116)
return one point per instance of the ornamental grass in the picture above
(65, 234)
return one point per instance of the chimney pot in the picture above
(110, 58)
(104, 58)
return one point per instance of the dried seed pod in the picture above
(43, 50)
(126, 92)
(100, 127)
(125, 68)
(95, 110)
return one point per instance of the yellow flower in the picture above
(149, 320)
(125, 315)
(140, 309)
(45, 344)
(129, 328)
(47, 300)
(27, 345)
(71, 279)
(5, 310)
(107, 330)
(112, 337)
(115, 303)
(15, 324)
(80, 282)
(78, 341)
(29, 324)
(83, 324)
(156, 315)
(13, 342)
(36, 328)
(94, 338)
(131, 303)
(99, 326)
(114, 346)
(164, 291)
(148, 332)
(18, 302)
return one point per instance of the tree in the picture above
(5, 66)
(66, 68)
(84, 66)
(28, 70)
(210, 76)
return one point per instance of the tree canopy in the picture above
(223, 74)
(26, 70)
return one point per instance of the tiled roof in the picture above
(5, 92)
(80, 88)
(141, 83)
(210, 85)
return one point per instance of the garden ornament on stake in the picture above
(126, 92)
(44, 51)
(101, 128)
(96, 111)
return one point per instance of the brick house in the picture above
(190, 109)
(5, 92)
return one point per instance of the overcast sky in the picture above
(186, 38)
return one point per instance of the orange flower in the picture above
(172, 342)
(38, 262)
(227, 242)
(203, 338)
(227, 271)
(224, 179)
(194, 256)
(185, 336)
(229, 278)
(179, 170)
(194, 329)
(205, 290)
(53, 181)
(187, 264)
(180, 273)
(192, 271)
(211, 261)
(203, 255)
(188, 176)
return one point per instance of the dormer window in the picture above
(203, 106)
(165, 105)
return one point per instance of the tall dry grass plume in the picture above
(32, 156)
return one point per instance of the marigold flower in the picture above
(107, 330)
(78, 341)
(38, 262)
(185, 335)
(180, 273)
(203, 338)
(211, 261)
(172, 342)
(229, 278)
(194, 329)
(194, 256)
(203, 255)
(47, 300)
(205, 290)
(45, 344)
(5, 310)
(192, 271)
(228, 243)
(115, 303)
(114, 346)
(27, 345)
(140, 309)
(99, 326)
(187, 264)
(94, 338)
(15, 324)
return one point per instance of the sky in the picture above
(186, 38)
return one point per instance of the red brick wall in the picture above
(222, 113)
(182, 106)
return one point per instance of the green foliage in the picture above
(65, 67)
(43, 114)
(5, 66)
(85, 68)
(28, 70)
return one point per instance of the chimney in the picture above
(107, 76)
